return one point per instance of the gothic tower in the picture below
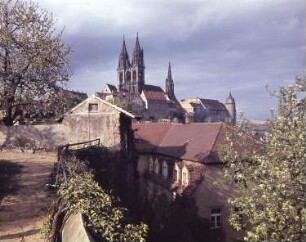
(137, 69)
(170, 85)
(124, 75)
(231, 108)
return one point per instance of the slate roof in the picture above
(194, 142)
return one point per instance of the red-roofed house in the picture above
(182, 160)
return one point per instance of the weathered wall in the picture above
(46, 136)
(103, 123)
(212, 192)
(74, 230)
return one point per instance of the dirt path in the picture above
(24, 205)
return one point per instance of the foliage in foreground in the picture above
(272, 181)
(33, 61)
(82, 193)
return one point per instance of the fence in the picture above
(63, 150)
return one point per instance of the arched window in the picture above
(165, 169)
(156, 167)
(151, 165)
(185, 176)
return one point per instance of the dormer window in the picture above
(165, 169)
(93, 107)
(156, 167)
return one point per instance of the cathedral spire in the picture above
(170, 84)
(124, 61)
(169, 72)
(137, 59)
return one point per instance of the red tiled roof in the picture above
(149, 136)
(213, 104)
(195, 141)
(155, 93)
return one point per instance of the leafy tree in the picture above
(271, 205)
(33, 60)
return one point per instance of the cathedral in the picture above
(152, 103)
(147, 102)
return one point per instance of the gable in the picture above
(94, 104)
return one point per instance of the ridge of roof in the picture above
(103, 101)
(149, 87)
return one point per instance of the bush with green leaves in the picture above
(272, 179)
(83, 194)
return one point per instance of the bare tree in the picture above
(34, 62)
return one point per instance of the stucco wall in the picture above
(78, 126)
(103, 123)
(210, 193)
(74, 230)
(213, 192)
(46, 136)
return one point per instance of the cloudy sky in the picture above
(214, 46)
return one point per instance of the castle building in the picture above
(150, 102)
(208, 110)
(147, 102)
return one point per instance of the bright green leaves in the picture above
(82, 193)
(272, 197)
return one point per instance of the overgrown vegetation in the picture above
(271, 205)
(79, 192)
(34, 63)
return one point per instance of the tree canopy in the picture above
(33, 60)
(271, 205)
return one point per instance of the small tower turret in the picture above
(231, 108)
(170, 84)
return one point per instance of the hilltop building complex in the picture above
(150, 102)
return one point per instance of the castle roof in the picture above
(194, 142)
(230, 99)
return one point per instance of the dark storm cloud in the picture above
(214, 46)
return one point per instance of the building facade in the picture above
(181, 161)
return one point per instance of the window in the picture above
(165, 169)
(215, 218)
(185, 176)
(93, 107)
(176, 172)
(156, 167)
(151, 164)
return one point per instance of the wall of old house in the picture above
(105, 123)
(213, 192)
(84, 124)
(160, 110)
(210, 192)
